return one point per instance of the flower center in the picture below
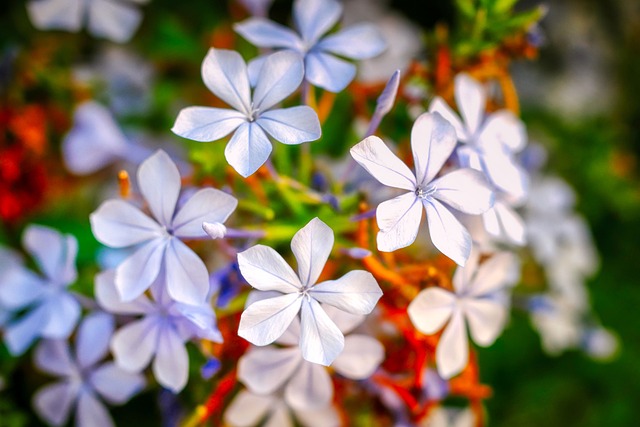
(425, 192)
(253, 114)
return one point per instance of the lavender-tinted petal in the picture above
(248, 149)
(313, 18)
(207, 205)
(54, 357)
(159, 182)
(171, 365)
(20, 287)
(360, 41)
(280, 75)
(264, 370)
(54, 252)
(56, 14)
(119, 224)
(225, 74)
(109, 299)
(328, 72)
(292, 125)
(64, 313)
(116, 21)
(20, 334)
(53, 402)
(93, 337)
(134, 345)
(207, 124)
(91, 412)
(265, 33)
(187, 278)
(137, 273)
(114, 384)
(447, 234)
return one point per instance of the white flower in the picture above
(119, 224)
(479, 299)
(466, 190)
(115, 20)
(266, 320)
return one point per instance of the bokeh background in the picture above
(580, 99)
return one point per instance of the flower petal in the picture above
(115, 21)
(487, 319)
(136, 273)
(503, 129)
(373, 155)
(54, 252)
(54, 357)
(114, 384)
(359, 41)
(64, 313)
(447, 234)
(357, 292)
(134, 344)
(108, 297)
(313, 18)
(207, 124)
(171, 365)
(432, 142)
(320, 339)
(471, 99)
(503, 222)
(291, 125)
(207, 205)
(440, 106)
(310, 387)
(280, 75)
(21, 333)
(187, 276)
(361, 357)
(328, 72)
(465, 190)
(506, 174)
(248, 149)
(53, 402)
(248, 409)
(119, 224)
(56, 14)
(452, 353)
(225, 74)
(159, 183)
(399, 222)
(93, 337)
(20, 287)
(91, 412)
(431, 309)
(311, 245)
(345, 321)
(264, 370)
(265, 33)
(264, 269)
(265, 321)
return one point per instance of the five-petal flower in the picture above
(264, 321)
(432, 141)
(253, 117)
(119, 224)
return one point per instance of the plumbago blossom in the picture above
(480, 299)
(313, 19)
(82, 381)
(160, 334)
(115, 20)
(433, 140)
(264, 321)
(42, 305)
(489, 144)
(119, 224)
(253, 117)
(307, 385)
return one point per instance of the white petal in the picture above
(64, 313)
(225, 74)
(439, 105)
(498, 272)
(503, 129)
(159, 182)
(135, 274)
(373, 155)
(20, 287)
(280, 75)
(20, 334)
(54, 252)
(265, 321)
(432, 142)
(119, 224)
(345, 321)
(115, 21)
(361, 357)
(313, 18)
(134, 345)
(310, 387)
(447, 234)
(248, 409)
(264, 269)
(452, 353)
(264, 370)
(319, 417)
(356, 292)
(506, 174)
(431, 309)
(171, 365)
(93, 337)
(320, 339)
(311, 245)
(399, 222)
(56, 14)
(109, 299)
(54, 357)
(291, 336)
(207, 205)
(293, 125)
(486, 319)
(91, 412)
(53, 402)
(471, 99)
(465, 190)
(248, 149)
(328, 72)
(187, 276)
(359, 41)
(207, 124)
(114, 384)
(265, 33)
(502, 221)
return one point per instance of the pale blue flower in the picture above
(253, 117)
(158, 239)
(313, 19)
(83, 383)
(161, 332)
(49, 310)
